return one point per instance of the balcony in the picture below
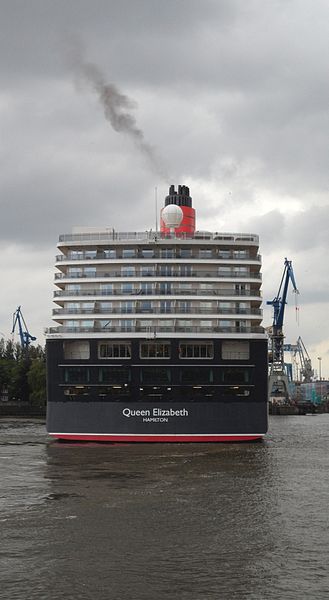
(111, 235)
(85, 256)
(157, 274)
(153, 331)
(156, 292)
(152, 311)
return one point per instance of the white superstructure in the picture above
(142, 284)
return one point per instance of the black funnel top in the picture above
(181, 197)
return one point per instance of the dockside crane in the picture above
(302, 360)
(18, 321)
(278, 379)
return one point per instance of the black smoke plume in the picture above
(116, 105)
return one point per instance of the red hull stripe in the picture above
(122, 437)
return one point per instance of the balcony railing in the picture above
(195, 256)
(151, 292)
(159, 275)
(172, 311)
(154, 236)
(153, 331)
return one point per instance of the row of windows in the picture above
(162, 253)
(158, 394)
(160, 375)
(161, 287)
(184, 270)
(162, 306)
(230, 350)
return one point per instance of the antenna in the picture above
(156, 208)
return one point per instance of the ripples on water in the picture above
(165, 522)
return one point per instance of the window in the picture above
(75, 254)
(184, 306)
(224, 323)
(205, 307)
(127, 307)
(224, 253)
(114, 375)
(196, 350)
(106, 288)
(88, 324)
(232, 350)
(146, 306)
(126, 324)
(165, 306)
(114, 350)
(243, 271)
(205, 253)
(128, 271)
(185, 286)
(186, 252)
(73, 324)
(206, 325)
(105, 306)
(77, 350)
(73, 307)
(147, 271)
(224, 271)
(225, 307)
(147, 288)
(167, 253)
(242, 307)
(206, 288)
(73, 287)
(196, 375)
(89, 271)
(76, 375)
(88, 306)
(110, 254)
(165, 288)
(74, 272)
(155, 376)
(90, 254)
(127, 288)
(165, 270)
(166, 325)
(235, 376)
(185, 270)
(154, 350)
(241, 254)
(129, 253)
(147, 253)
(184, 324)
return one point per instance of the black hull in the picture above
(135, 411)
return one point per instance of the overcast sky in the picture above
(229, 97)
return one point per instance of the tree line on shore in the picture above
(22, 373)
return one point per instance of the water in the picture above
(160, 522)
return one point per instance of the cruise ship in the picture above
(158, 335)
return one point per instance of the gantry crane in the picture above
(299, 351)
(25, 337)
(278, 378)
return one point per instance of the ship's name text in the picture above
(155, 412)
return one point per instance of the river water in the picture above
(165, 522)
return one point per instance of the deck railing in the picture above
(156, 292)
(152, 331)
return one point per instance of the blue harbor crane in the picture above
(278, 379)
(18, 321)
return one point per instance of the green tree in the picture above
(36, 377)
